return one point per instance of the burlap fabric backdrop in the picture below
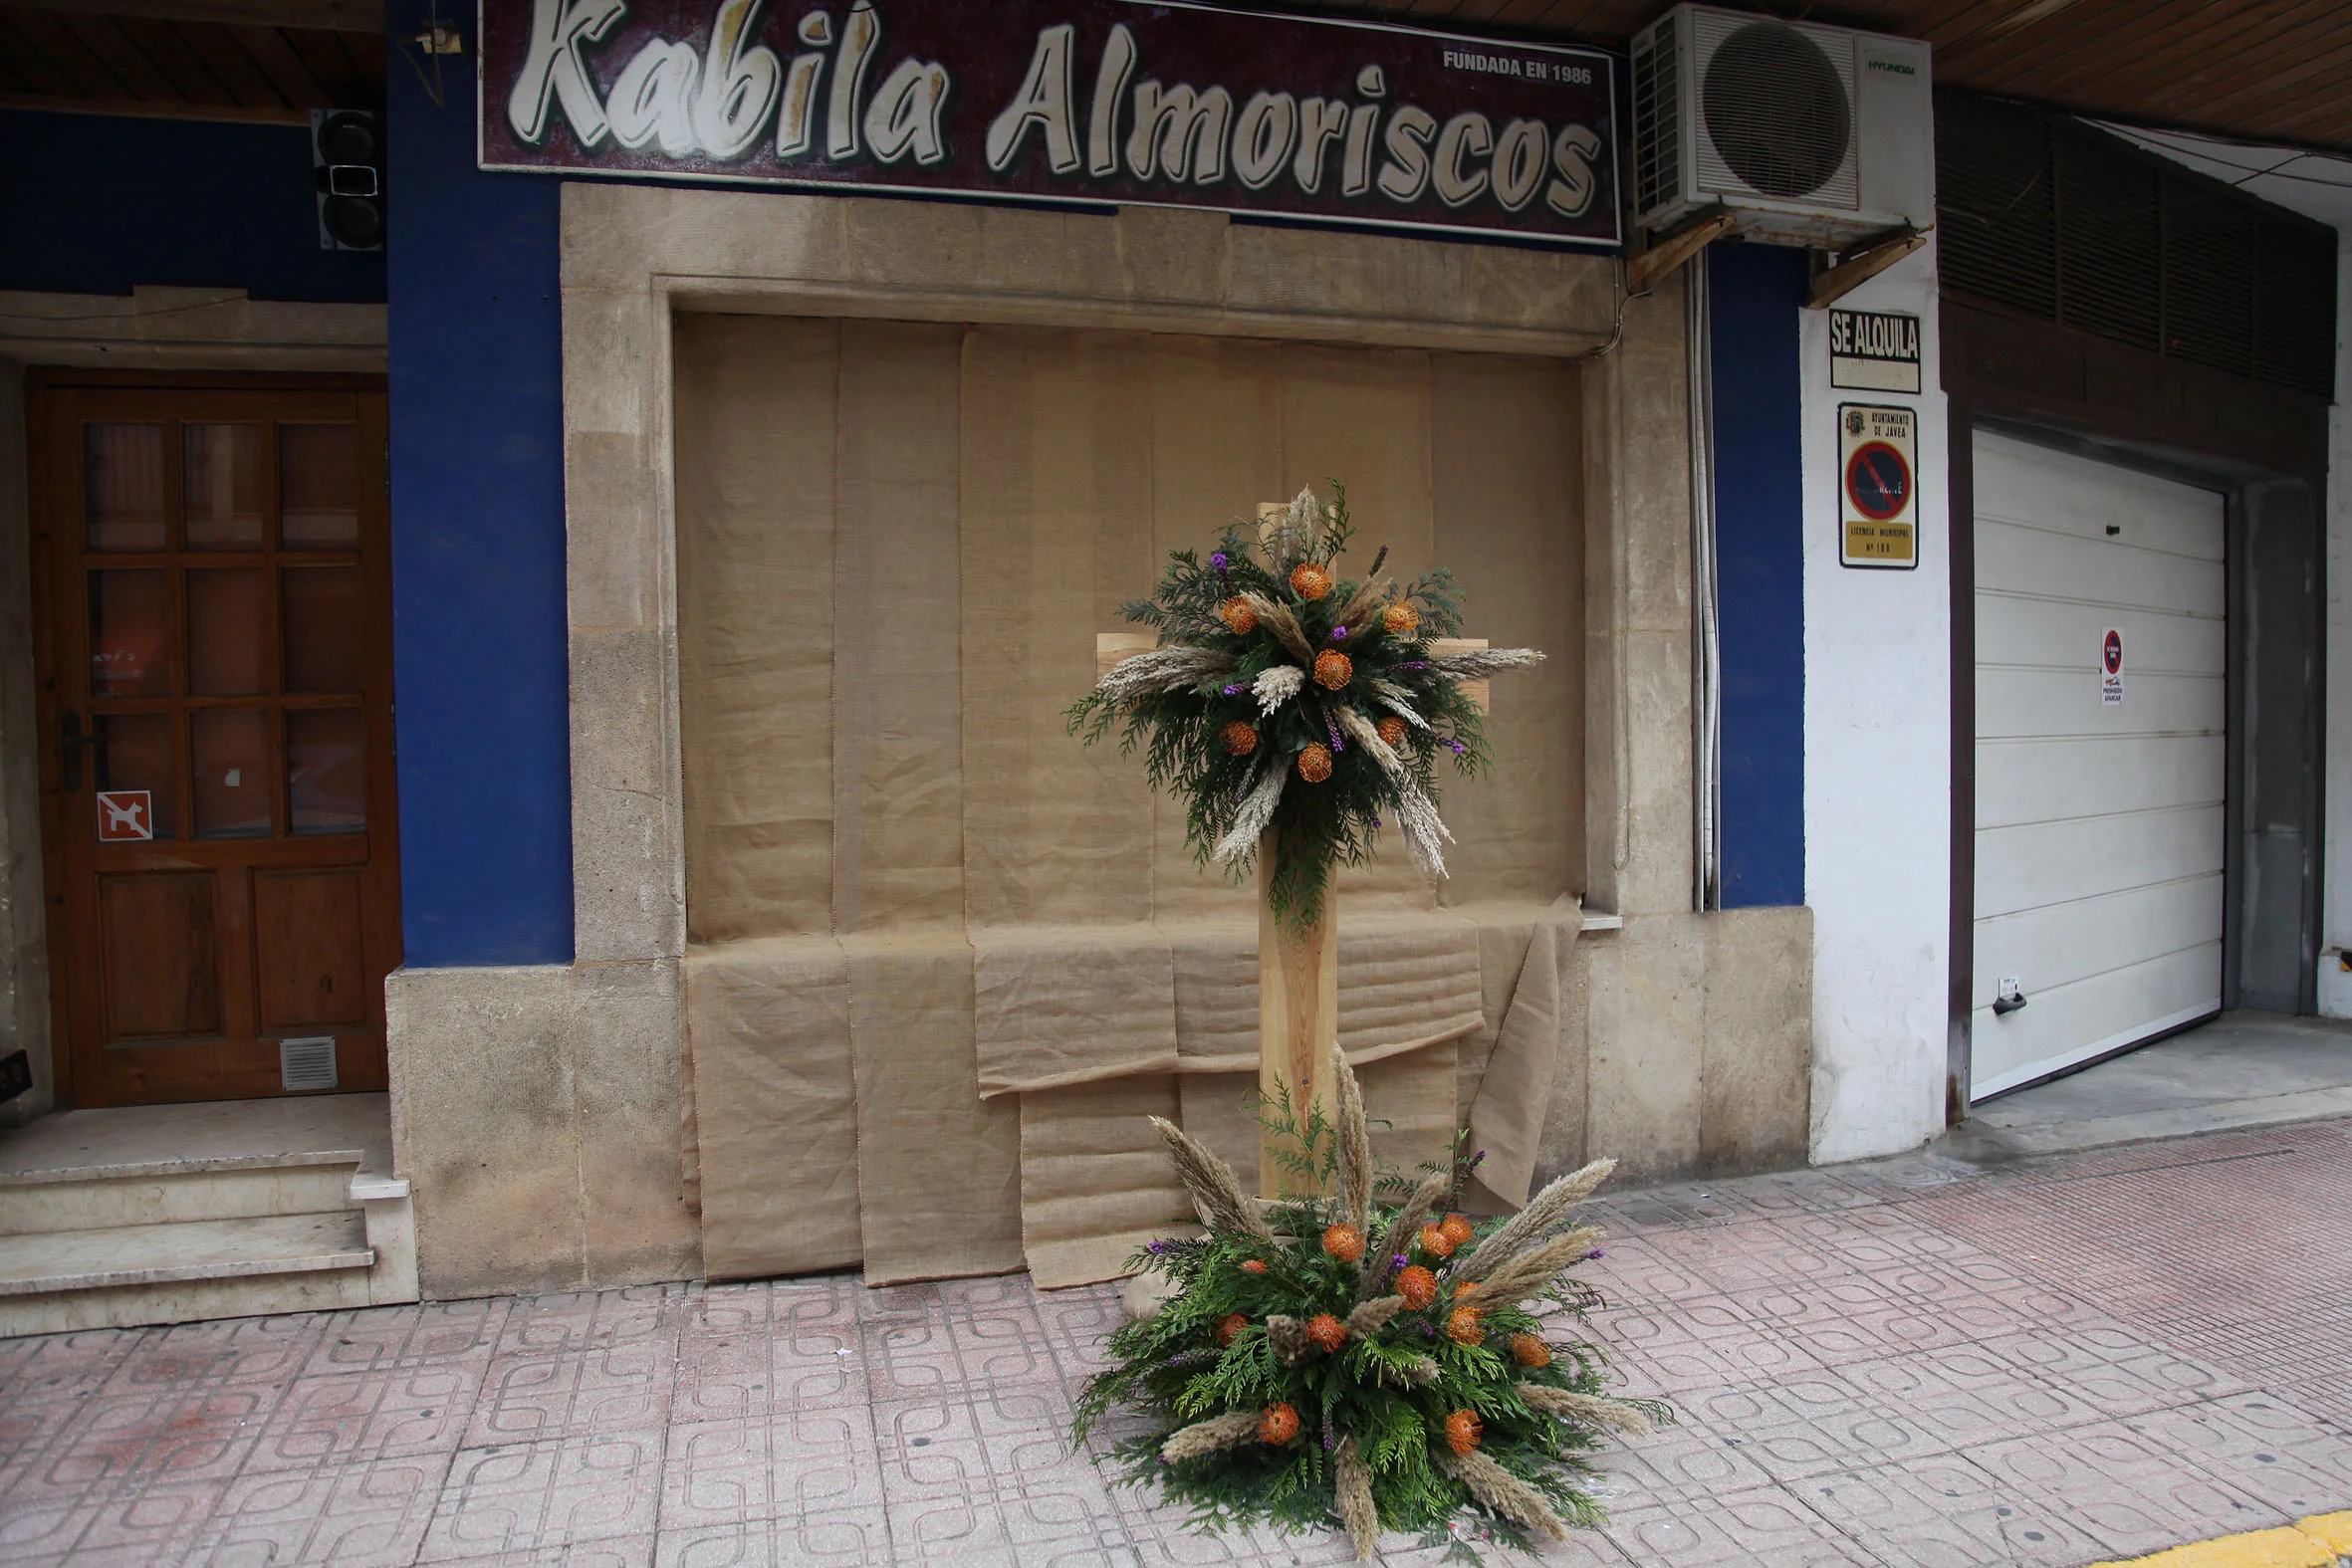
(943, 961)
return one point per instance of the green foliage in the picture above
(1318, 826)
(1173, 1369)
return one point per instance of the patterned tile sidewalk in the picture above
(1912, 1361)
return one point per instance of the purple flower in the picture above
(1597, 1252)
(1217, 560)
(1338, 633)
(1458, 747)
(1415, 665)
(1399, 1262)
(1428, 1330)
(1478, 1158)
(1375, 821)
(1232, 691)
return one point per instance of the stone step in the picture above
(169, 1193)
(168, 1253)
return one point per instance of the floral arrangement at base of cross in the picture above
(1283, 697)
(1382, 1365)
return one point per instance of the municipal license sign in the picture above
(1877, 490)
(1874, 351)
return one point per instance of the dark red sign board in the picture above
(1114, 102)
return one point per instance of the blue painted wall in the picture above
(1753, 294)
(92, 204)
(478, 619)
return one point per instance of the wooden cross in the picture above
(1297, 967)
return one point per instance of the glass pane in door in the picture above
(325, 770)
(224, 490)
(228, 632)
(135, 752)
(230, 750)
(122, 486)
(318, 487)
(129, 633)
(322, 628)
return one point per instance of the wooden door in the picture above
(215, 620)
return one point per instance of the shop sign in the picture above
(1064, 101)
(1877, 491)
(1874, 351)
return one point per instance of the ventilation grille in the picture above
(307, 1065)
(2064, 223)
(1657, 118)
(1777, 102)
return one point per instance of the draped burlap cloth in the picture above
(943, 961)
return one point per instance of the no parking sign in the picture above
(1877, 488)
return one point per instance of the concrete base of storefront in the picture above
(2243, 1069)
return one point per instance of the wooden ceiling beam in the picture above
(338, 16)
(141, 108)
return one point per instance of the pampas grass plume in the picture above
(1616, 1414)
(1355, 1144)
(1408, 1219)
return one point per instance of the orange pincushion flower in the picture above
(1392, 732)
(1456, 1227)
(1278, 1425)
(1238, 738)
(1400, 619)
(1327, 1331)
(1464, 1290)
(1345, 1241)
(1230, 1326)
(1315, 764)
(1530, 1351)
(1333, 669)
(1310, 582)
(1464, 1328)
(1463, 1431)
(1253, 1266)
(1418, 1286)
(1435, 1242)
(1239, 617)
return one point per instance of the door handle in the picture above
(71, 740)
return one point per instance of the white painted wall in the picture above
(1878, 768)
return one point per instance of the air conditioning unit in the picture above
(1807, 135)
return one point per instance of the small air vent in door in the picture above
(307, 1065)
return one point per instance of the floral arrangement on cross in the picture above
(1296, 714)
(1297, 1372)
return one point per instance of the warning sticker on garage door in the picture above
(2111, 668)
(1877, 486)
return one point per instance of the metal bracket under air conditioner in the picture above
(1684, 241)
(1862, 261)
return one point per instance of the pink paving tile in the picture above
(626, 1551)
(1945, 1514)
(545, 1496)
(599, 1385)
(356, 1516)
(400, 1409)
(1764, 1527)
(789, 1465)
(849, 1538)
(423, 1335)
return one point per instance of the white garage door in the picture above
(2099, 827)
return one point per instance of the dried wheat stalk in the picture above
(1371, 1317)
(1616, 1414)
(1545, 1212)
(1503, 1492)
(1216, 1191)
(1355, 1144)
(1418, 1208)
(1534, 1268)
(1278, 619)
(1229, 1431)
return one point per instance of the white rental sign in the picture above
(1874, 351)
